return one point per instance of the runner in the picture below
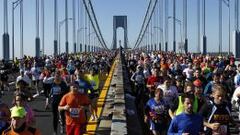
(156, 113)
(216, 113)
(93, 79)
(21, 101)
(18, 123)
(5, 116)
(186, 123)
(59, 88)
(35, 73)
(74, 103)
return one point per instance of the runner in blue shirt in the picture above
(156, 113)
(186, 123)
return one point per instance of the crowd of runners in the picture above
(186, 94)
(175, 93)
(70, 84)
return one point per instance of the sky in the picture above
(105, 10)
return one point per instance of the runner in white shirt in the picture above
(23, 77)
(169, 92)
(188, 71)
(35, 72)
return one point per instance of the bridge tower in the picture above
(119, 21)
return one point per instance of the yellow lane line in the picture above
(92, 125)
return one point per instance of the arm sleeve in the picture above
(147, 109)
(133, 77)
(172, 130)
(207, 89)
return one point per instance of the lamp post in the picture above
(166, 25)
(59, 30)
(204, 38)
(14, 6)
(151, 40)
(220, 26)
(180, 23)
(42, 8)
(227, 3)
(74, 27)
(5, 34)
(161, 30)
(55, 42)
(198, 27)
(66, 26)
(174, 26)
(185, 25)
(236, 41)
(21, 28)
(89, 36)
(37, 39)
(78, 36)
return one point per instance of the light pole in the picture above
(59, 31)
(89, 36)
(161, 30)
(37, 39)
(14, 6)
(174, 26)
(21, 28)
(227, 3)
(220, 26)
(180, 23)
(204, 38)
(236, 41)
(198, 27)
(151, 40)
(55, 42)
(5, 34)
(78, 36)
(42, 8)
(166, 25)
(185, 25)
(66, 26)
(74, 27)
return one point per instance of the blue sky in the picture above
(105, 10)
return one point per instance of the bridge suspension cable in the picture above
(147, 19)
(93, 20)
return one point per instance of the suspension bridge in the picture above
(165, 27)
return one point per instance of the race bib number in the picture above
(56, 90)
(222, 130)
(81, 91)
(81, 84)
(159, 109)
(74, 112)
(139, 78)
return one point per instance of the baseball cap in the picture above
(18, 111)
(197, 83)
